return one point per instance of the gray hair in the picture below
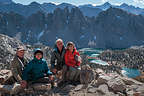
(59, 40)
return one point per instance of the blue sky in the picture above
(137, 3)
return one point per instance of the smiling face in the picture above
(20, 53)
(38, 56)
(70, 47)
(59, 45)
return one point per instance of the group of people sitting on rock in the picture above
(64, 60)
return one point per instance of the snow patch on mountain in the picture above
(39, 35)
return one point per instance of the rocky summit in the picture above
(7, 50)
(8, 47)
(97, 82)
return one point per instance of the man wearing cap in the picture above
(18, 64)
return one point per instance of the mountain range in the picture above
(88, 9)
(110, 28)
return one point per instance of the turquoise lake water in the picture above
(131, 73)
(93, 52)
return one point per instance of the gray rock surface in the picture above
(8, 47)
(99, 83)
(130, 58)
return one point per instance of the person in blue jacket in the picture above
(36, 70)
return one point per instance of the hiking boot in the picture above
(75, 83)
(61, 83)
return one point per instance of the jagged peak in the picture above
(34, 3)
(124, 5)
(106, 4)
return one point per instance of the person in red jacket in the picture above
(72, 61)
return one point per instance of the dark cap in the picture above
(38, 50)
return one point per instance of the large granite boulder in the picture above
(86, 75)
(117, 85)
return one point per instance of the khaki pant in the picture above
(64, 71)
(70, 73)
(7, 77)
(74, 74)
